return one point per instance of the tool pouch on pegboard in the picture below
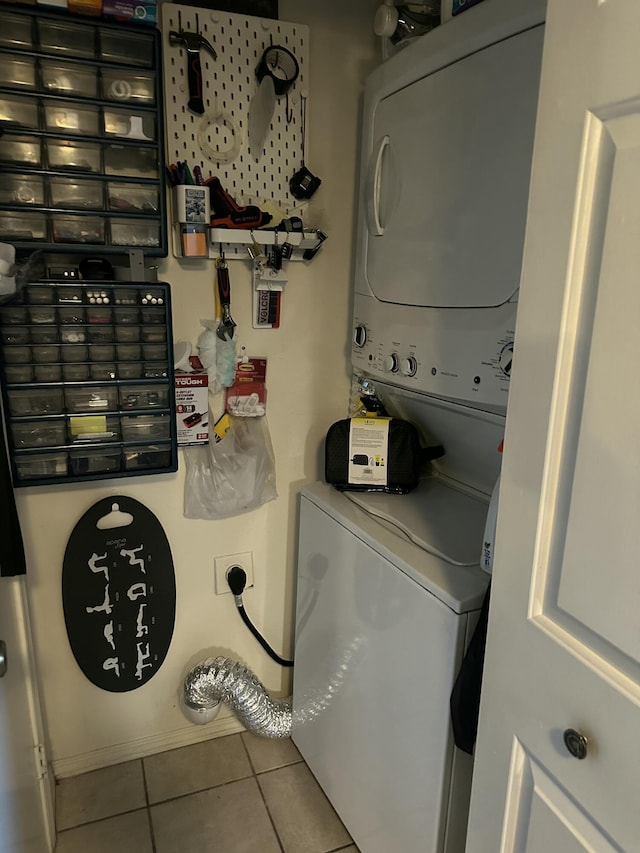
(376, 454)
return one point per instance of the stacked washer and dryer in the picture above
(389, 586)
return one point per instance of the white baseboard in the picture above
(223, 724)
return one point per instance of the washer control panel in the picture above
(462, 354)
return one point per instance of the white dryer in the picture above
(389, 586)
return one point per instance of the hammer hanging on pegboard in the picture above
(193, 43)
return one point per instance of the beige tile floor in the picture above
(236, 794)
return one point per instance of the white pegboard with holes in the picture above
(229, 84)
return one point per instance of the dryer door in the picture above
(448, 180)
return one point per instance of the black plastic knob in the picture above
(576, 743)
(360, 336)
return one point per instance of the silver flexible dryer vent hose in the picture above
(223, 679)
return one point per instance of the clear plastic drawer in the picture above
(119, 85)
(146, 457)
(133, 232)
(39, 433)
(66, 78)
(18, 112)
(21, 189)
(18, 372)
(41, 466)
(35, 401)
(130, 125)
(16, 355)
(15, 335)
(20, 151)
(46, 354)
(73, 372)
(23, 226)
(78, 229)
(73, 156)
(127, 47)
(145, 427)
(134, 198)
(67, 38)
(15, 31)
(79, 194)
(47, 372)
(68, 118)
(94, 428)
(17, 72)
(95, 461)
(91, 399)
(130, 162)
(144, 397)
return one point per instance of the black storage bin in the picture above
(401, 462)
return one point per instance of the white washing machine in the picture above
(380, 632)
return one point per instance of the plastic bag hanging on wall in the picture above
(233, 476)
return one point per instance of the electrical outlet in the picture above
(223, 564)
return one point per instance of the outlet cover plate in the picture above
(223, 564)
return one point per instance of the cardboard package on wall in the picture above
(131, 11)
(192, 407)
(247, 397)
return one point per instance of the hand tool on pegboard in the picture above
(226, 213)
(226, 344)
(193, 42)
(227, 325)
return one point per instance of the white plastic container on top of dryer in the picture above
(448, 132)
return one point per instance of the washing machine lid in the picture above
(393, 526)
(436, 517)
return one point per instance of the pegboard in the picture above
(229, 83)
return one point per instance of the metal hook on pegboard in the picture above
(281, 65)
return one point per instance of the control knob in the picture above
(390, 363)
(506, 358)
(360, 335)
(409, 366)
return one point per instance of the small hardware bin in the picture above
(146, 456)
(42, 466)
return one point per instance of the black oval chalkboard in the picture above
(119, 594)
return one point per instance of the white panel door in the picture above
(563, 651)
(26, 823)
(449, 177)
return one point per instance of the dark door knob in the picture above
(576, 743)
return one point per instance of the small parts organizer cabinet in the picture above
(88, 381)
(81, 134)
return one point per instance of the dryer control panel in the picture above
(460, 354)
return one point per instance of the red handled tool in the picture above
(228, 214)
(226, 328)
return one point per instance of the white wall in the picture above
(308, 383)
